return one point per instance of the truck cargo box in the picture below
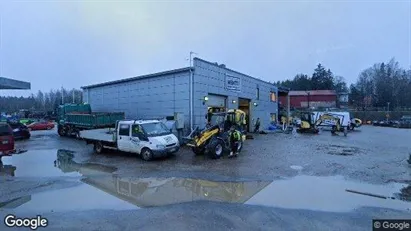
(94, 120)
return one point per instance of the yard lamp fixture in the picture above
(205, 100)
(255, 104)
(233, 101)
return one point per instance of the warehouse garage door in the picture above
(216, 101)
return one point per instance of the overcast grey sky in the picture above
(77, 43)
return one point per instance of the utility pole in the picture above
(73, 96)
(62, 95)
(308, 100)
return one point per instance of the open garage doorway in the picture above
(244, 105)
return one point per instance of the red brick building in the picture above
(305, 99)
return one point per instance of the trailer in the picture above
(73, 118)
(147, 138)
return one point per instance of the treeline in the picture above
(321, 79)
(382, 85)
(48, 101)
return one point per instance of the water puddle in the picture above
(127, 193)
(79, 198)
(327, 194)
(102, 189)
(301, 192)
(49, 163)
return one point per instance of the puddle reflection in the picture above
(104, 190)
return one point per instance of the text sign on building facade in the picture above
(232, 83)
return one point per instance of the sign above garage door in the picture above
(232, 83)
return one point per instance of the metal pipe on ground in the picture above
(367, 194)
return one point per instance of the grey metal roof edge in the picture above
(14, 84)
(174, 71)
(284, 89)
(235, 71)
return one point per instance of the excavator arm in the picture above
(332, 120)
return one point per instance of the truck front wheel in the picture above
(146, 154)
(98, 147)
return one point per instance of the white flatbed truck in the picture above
(147, 138)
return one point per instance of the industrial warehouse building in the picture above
(213, 88)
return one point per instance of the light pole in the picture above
(308, 99)
(191, 90)
(388, 109)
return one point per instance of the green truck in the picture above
(73, 118)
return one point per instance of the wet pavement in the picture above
(274, 172)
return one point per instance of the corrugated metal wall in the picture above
(161, 96)
(143, 98)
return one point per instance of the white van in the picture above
(147, 138)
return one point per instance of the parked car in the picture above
(20, 131)
(42, 125)
(6, 139)
(405, 122)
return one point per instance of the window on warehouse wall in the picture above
(273, 117)
(273, 96)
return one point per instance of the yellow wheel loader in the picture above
(213, 140)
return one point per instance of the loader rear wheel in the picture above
(198, 151)
(215, 149)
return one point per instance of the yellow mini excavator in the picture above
(309, 123)
(213, 140)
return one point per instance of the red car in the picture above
(6, 140)
(45, 125)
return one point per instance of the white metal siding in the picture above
(147, 98)
(164, 95)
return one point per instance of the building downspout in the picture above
(191, 98)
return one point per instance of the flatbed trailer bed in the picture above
(106, 135)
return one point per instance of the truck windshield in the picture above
(155, 129)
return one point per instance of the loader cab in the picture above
(226, 119)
